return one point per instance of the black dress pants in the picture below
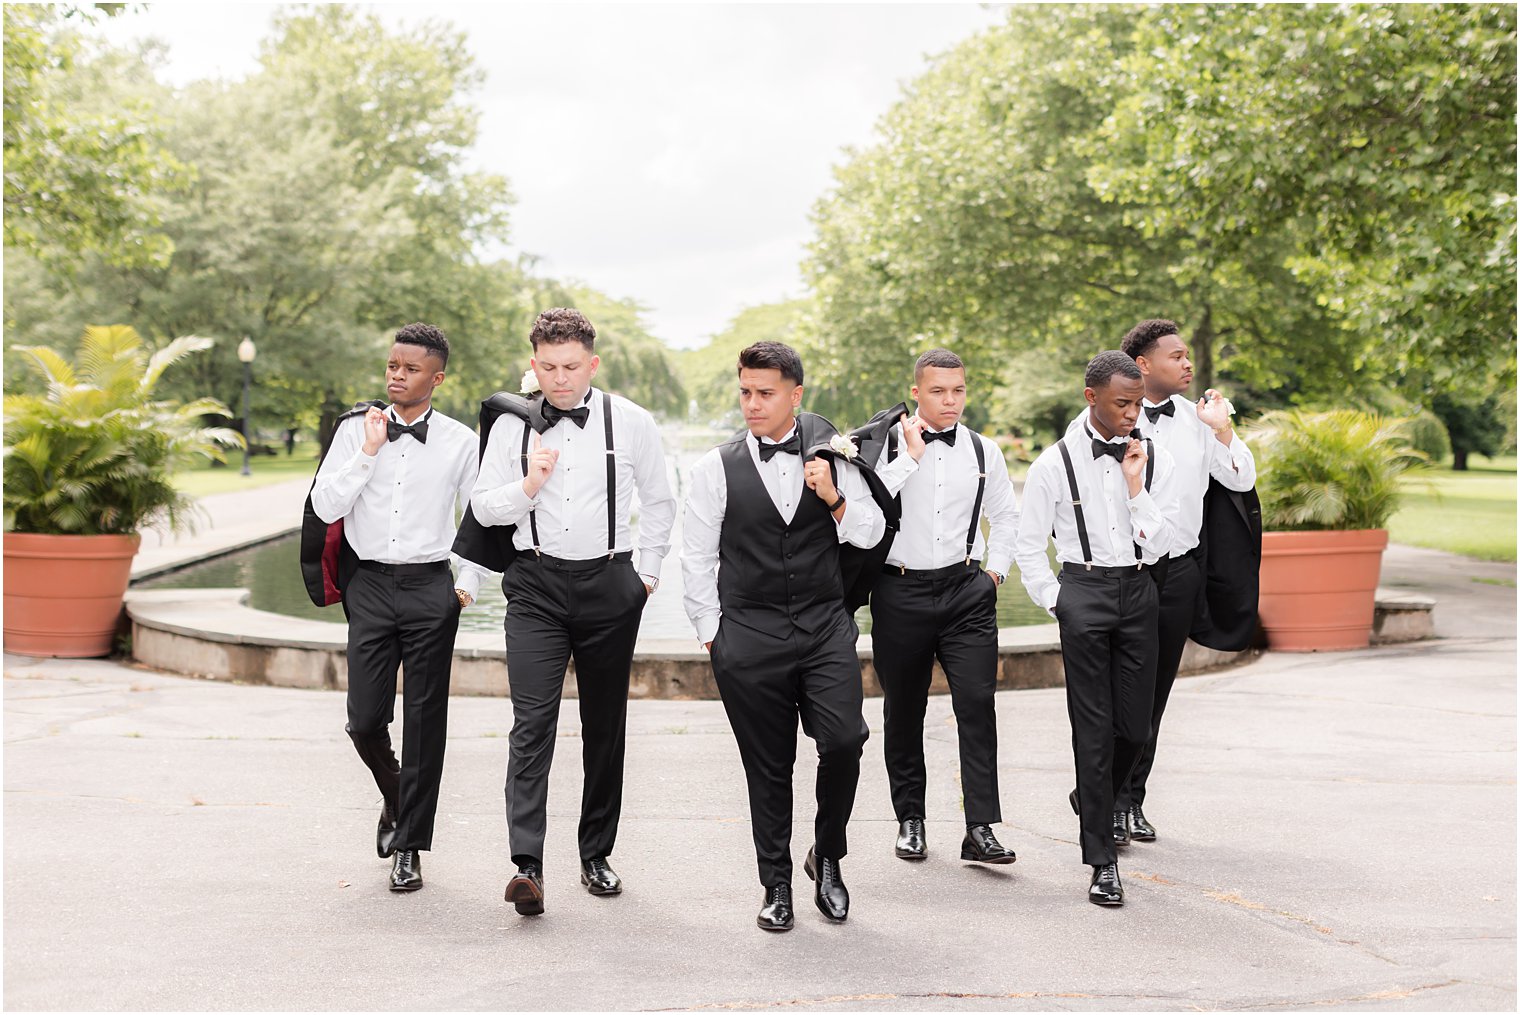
(407, 619)
(1108, 647)
(1179, 607)
(951, 615)
(559, 610)
(766, 683)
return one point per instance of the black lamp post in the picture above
(246, 352)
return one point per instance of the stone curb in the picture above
(213, 634)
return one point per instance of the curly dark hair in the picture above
(773, 356)
(1102, 368)
(942, 358)
(430, 338)
(1145, 335)
(559, 325)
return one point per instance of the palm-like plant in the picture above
(1330, 470)
(94, 455)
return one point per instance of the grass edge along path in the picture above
(1471, 512)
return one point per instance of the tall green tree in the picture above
(972, 224)
(1379, 140)
(80, 176)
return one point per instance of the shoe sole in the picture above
(600, 891)
(527, 898)
(1000, 860)
(1143, 838)
(907, 854)
(1105, 902)
(406, 888)
(773, 928)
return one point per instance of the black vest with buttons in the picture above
(775, 577)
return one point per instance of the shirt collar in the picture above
(783, 440)
(390, 412)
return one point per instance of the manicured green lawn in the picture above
(266, 469)
(1471, 513)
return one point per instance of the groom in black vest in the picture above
(764, 523)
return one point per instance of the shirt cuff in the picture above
(518, 500)
(999, 564)
(650, 563)
(1141, 502)
(468, 581)
(707, 627)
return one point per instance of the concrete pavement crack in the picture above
(1234, 899)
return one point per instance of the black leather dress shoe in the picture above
(599, 878)
(776, 914)
(406, 871)
(1121, 828)
(385, 832)
(526, 890)
(829, 892)
(1106, 889)
(1072, 799)
(1139, 829)
(982, 846)
(910, 840)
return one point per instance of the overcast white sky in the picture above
(710, 129)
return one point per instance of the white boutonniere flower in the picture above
(844, 446)
(530, 383)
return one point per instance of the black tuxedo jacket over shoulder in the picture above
(859, 568)
(491, 546)
(1231, 540)
(327, 561)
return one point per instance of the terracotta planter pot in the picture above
(1318, 589)
(63, 593)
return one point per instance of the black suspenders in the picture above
(981, 482)
(1076, 497)
(611, 475)
(981, 488)
(611, 479)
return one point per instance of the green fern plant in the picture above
(94, 455)
(1330, 470)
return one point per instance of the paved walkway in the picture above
(231, 521)
(1336, 831)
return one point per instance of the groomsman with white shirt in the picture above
(395, 478)
(935, 601)
(1203, 445)
(1108, 498)
(760, 557)
(573, 590)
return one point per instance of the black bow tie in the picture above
(791, 446)
(578, 415)
(1155, 412)
(948, 436)
(394, 429)
(1114, 451)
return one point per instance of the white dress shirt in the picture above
(572, 503)
(1116, 522)
(938, 492)
(398, 506)
(862, 523)
(1198, 454)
